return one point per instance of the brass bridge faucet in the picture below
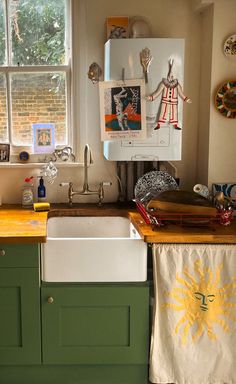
(86, 190)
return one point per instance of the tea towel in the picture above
(194, 318)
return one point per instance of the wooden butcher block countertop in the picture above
(173, 233)
(24, 226)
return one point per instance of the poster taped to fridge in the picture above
(122, 109)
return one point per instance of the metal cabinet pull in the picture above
(2, 252)
(50, 300)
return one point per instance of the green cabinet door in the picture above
(94, 324)
(19, 316)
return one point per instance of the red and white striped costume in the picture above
(170, 90)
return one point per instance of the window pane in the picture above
(2, 34)
(38, 32)
(3, 111)
(38, 98)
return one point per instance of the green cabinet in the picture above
(73, 333)
(95, 324)
(20, 340)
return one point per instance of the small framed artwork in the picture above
(4, 152)
(44, 137)
(117, 27)
(122, 109)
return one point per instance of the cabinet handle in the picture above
(2, 252)
(50, 300)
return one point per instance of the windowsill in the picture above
(39, 165)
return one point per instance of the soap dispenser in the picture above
(41, 190)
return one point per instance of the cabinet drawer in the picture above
(15, 255)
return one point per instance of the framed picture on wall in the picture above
(44, 137)
(4, 152)
(122, 109)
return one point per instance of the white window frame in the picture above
(66, 68)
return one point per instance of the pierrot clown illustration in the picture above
(171, 90)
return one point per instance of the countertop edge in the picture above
(23, 240)
(20, 226)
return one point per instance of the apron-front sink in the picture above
(93, 249)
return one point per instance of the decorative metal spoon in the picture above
(145, 60)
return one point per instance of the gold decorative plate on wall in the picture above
(226, 99)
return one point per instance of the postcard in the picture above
(44, 137)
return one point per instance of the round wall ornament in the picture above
(230, 46)
(225, 99)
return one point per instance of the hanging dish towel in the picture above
(194, 320)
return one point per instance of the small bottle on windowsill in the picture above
(41, 190)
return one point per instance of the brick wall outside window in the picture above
(34, 101)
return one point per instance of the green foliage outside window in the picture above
(37, 32)
(2, 35)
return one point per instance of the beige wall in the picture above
(203, 73)
(167, 18)
(222, 130)
(205, 95)
(216, 133)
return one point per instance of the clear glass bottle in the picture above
(28, 193)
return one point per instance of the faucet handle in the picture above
(70, 190)
(101, 190)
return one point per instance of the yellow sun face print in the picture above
(203, 301)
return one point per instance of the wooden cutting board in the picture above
(185, 202)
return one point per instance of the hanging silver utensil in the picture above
(145, 60)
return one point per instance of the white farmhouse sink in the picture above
(93, 249)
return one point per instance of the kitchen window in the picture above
(35, 70)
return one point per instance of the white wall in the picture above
(168, 18)
(222, 130)
(216, 133)
(205, 95)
